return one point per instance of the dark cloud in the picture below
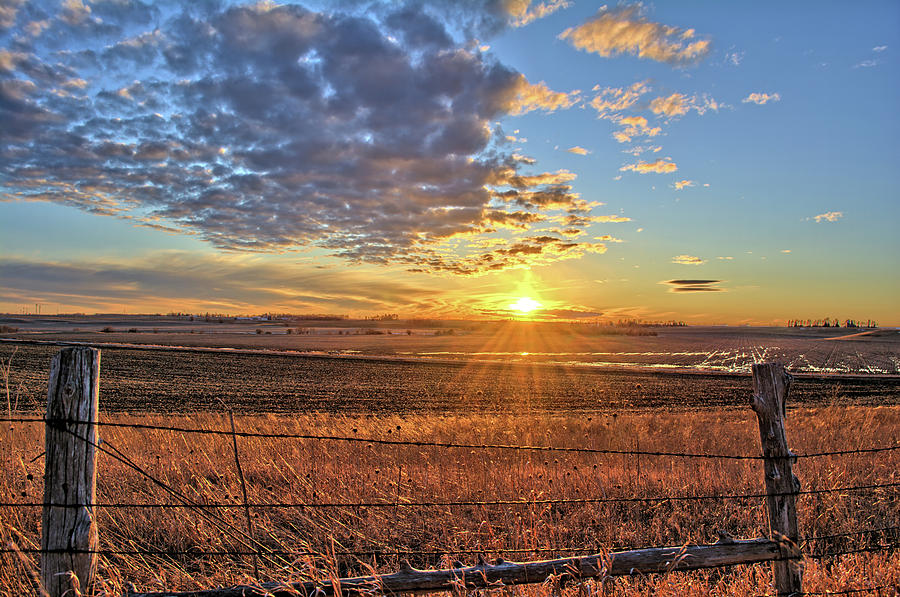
(694, 285)
(275, 128)
(190, 281)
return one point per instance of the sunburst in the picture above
(525, 305)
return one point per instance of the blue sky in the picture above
(710, 162)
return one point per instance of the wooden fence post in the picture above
(771, 384)
(69, 534)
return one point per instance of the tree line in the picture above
(831, 323)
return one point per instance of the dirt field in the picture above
(166, 381)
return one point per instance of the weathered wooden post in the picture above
(69, 530)
(771, 384)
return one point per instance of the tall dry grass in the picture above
(315, 472)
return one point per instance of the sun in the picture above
(525, 305)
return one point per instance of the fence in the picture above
(69, 543)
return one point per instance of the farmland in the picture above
(498, 369)
(389, 501)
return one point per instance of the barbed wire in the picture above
(458, 503)
(875, 590)
(397, 553)
(842, 552)
(419, 443)
(216, 520)
(851, 534)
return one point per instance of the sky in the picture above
(708, 162)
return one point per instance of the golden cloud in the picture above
(674, 105)
(615, 99)
(661, 166)
(683, 183)
(679, 104)
(521, 13)
(578, 150)
(635, 126)
(624, 31)
(537, 96)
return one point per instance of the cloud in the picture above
(610, 101)
(635, 126)
(674, 105)
(688, 260)
(272, 128)
(530, 97)
(523, 253)
(570, 313)
(678, 104)
(879, 48)
(578, 150)
(660, 166)
(694, 285)
(75, 12)
(610, 219)
(683, 183)
(639, 149)
(8, 11)
(521, 12)
(761, 98)
(734, 58)
(187, 281)
(830, 216)
(624, 30)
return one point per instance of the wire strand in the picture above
(425, 504)
(467, 446)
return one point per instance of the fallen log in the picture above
(500, 573)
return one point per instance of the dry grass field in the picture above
(297, 471)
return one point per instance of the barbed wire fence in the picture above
(879, 539)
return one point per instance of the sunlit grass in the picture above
(306, 471)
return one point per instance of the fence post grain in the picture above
(69, 531)
(771, 384)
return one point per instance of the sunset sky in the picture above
(712, 162)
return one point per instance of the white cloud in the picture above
(734, 58)
(829, 216)
(761, 98)
(688, 260)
